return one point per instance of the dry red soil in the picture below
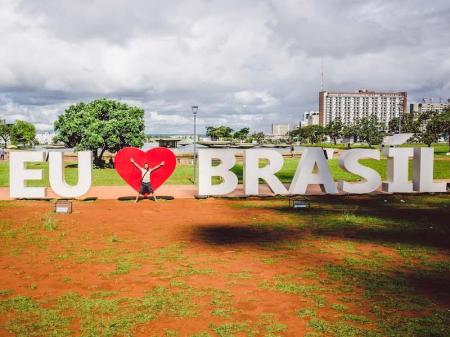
(216, 244)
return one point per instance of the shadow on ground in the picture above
(242, 235)
(379, 219)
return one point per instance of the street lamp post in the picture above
(194, 112)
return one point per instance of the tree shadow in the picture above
(395, 291)
(242, 235)
(388, 220)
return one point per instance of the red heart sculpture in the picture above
(152, 157)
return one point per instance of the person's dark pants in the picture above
(146, 188)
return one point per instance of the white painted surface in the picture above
(207, 171)
(423, 171)
(397, 170)
(252, 171)
(349, 161)
(18, 174)
(312, 157)
(56, 174)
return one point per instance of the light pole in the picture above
(194, 112)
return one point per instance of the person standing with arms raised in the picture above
(146, 184)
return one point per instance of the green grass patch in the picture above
(97, 315)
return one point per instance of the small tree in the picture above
(306, 133)
(432, 131)
(5, 132)
(220, 132)
(303, 134)
(311, 133)
(427, 130)
(436, 124)
(408, 124)
(444, 122)
(370, 130)
(258, 137)
(350, 131)
(23, 133)
(241, 134)
(334, 130)
(101, 125)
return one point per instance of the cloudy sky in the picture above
(244, 62)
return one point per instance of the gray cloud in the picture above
(244, 63)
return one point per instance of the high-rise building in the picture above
(427, 105)
(280, 129)
(310, 118)
(349, 107)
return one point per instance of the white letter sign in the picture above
(207, 170)
(349, 161)
(397, 170)
(56, 173)
(423, 171)
(304, 176)
(18, 174)
(252, 171)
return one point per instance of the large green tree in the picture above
(426, 129)
(258, 137)
(370, 130)
(350, 131)
(408, 124)
(308, 134)
(101, 125)
(241, 134)
(23, 133)
(219, 132)
(431, 125)
(334, 130)
(444, 122)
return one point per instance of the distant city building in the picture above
(427, 105)
(45, 138)
(310, 118)
(6, 122)
(349, 107)
(280, 129)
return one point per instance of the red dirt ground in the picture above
(211, 235)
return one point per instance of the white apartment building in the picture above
(280, 129)
(310, 118)
(427, 106)
(349, 107)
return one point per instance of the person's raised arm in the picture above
(134, 163)
(158, 166)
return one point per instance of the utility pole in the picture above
(194, 112)
(321, 75)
